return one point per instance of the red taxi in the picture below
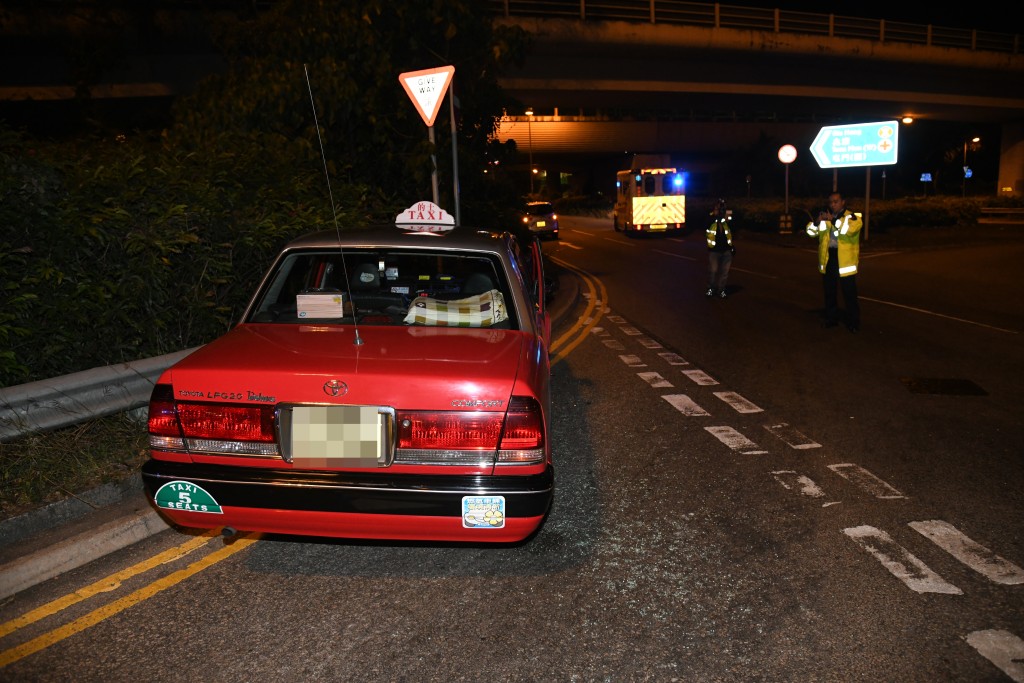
(386, 383)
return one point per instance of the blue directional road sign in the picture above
(856, 144)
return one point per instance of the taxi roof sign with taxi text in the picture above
(425, 217)
(426, 89)
(856, 144)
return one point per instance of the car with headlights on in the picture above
(386, 382)
(540, 219)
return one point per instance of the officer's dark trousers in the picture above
(832, 283)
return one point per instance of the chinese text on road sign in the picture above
(856, 144)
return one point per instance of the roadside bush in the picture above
(124, 250)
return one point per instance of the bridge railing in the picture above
(761, 19)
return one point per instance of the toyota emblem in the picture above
(335, 387)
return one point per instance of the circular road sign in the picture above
(787, 154)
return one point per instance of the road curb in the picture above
(53, 551)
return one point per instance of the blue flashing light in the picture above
(677, 180)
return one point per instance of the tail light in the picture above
(515, 437)
(462, 438)
(209, 427)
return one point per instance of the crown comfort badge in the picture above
(183, 495)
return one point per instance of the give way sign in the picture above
(426, 88)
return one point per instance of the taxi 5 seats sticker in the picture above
(483, 512)
(186, 496)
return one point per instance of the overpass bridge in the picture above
(707, 80)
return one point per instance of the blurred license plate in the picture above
(541, 224)
(338, 436)
(659, 226)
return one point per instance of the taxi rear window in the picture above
(374, 286)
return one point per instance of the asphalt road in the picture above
(741, 495)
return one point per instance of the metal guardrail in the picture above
(71, 399)
(761, 19)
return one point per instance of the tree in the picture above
(353, 52)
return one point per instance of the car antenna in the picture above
(344, 269)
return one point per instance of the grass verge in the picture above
(46, 467)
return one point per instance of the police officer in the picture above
(720, 249)
(838, 233)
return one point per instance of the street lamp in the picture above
(529, 127)
(963, 182)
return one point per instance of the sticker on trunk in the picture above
(187, 497)
(483, 512)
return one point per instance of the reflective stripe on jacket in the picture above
(846, 230)
(712, 232)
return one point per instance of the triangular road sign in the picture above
(426, 88)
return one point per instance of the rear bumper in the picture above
(346, 504)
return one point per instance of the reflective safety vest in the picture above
(712, 232)
(846, 231)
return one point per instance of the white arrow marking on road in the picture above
(700, 377)
(1002, 648)
(900, 562)
(654, 379)
(737, 402)
(648, 343)
(865, 480)
(974, 555)
(792, 437)
(734, 440)
(805, 485)
(685, 405)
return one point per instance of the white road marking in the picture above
(791, 437)
(633, 361)
(974, 555)
(654, 379)
(614, 344)
(803, 484)
(734, 440)
(669, 253)
(630, 330)
(700, 377)
(648, 343)
(1002, 648)
(900, 562)
(938, 315)
(599, 332)
(865, 480)
(673, 358)
(737, 402)
(685, 405)
(617, 319)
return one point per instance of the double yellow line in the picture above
(113, 582)
(597, 297)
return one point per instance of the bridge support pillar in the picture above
(1011, 160)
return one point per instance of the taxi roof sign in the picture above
(426, 89)
(425, 217)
